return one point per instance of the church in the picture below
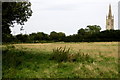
(110, 20)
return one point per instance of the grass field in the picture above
(33, 61)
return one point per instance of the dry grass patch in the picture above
(105, 48)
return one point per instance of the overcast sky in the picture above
(67, 15)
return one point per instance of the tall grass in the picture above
(63, 54)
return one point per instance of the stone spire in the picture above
(109, 19)
(110, 12)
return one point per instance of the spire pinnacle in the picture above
(110, 12)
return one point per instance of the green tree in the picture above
(32, 37)
(54, 36)
(10, 38)
(37, 37)
(81, 31)
(14, 12)
(61, 36)
(41, 36)
(22, 38)
(93, 29)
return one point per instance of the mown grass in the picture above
(25, 62)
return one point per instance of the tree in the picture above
(54, 36)
(14, 12)
(109, 35)
(41, 36)
(38, 37)
(93, 29)
(22, 38)
(61, 36)
(81, 31)
(32, 37)
(10, 38)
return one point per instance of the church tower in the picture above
(109, 20)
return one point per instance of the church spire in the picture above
(110, 19)
(110, 12)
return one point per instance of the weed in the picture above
(60, 54)
(63, 55)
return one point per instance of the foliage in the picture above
(93, 29)
(57, 36)
(19, 12)
(14, 12)
(89, 34)
(40, 36)
(81, 31)
(63, 55)
(8, 38)
(22, 38)
(60, 54)
(107, 35)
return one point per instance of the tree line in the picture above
(91, 33)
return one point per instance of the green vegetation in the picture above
(33, 61)
(60, 55)
(64, 55)
(89, 34)
(14, 12)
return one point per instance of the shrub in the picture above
(82, 57)
(60, 54)
(64, 55)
